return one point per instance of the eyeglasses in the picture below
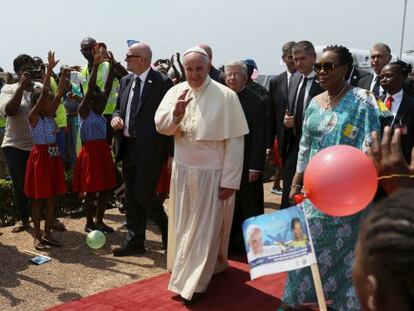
(128, 56)
(327, 67)
(235, 75)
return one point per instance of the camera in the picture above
(35, 74)
(99, 45)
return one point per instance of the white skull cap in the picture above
(196, 49)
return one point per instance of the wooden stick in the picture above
(33, 253)
(318, 287)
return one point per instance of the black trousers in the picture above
(16, 160)
(249, 203)
(289, 170)
(141, 198)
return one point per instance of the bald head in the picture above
(86, 49)
(208, 50)
(138, 57)
(88, 41)
(142, 49)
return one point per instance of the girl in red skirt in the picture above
(95, 169)
(44, 170)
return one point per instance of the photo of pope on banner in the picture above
(281, 241)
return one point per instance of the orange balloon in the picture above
(340, 180)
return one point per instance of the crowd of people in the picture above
(208, 132)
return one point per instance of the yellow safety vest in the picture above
(60, 119)
(103, 71)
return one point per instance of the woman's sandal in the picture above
(39, 245)
(51, 241)
(20, 227)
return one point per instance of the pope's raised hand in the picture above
(181, 104)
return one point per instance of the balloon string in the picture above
(395, 175)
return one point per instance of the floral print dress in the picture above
(334, 238)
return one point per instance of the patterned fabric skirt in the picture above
(45, 176)
(165, 177)
(334, 239)
(94, 169)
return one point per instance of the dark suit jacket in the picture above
(255, 141)
(278, 92)
(216, 74)
(151, 147)
(405, 113)
(357, 75)
(365, 82)
(291, 138)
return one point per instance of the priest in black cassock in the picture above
(249, 199)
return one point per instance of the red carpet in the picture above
(230, 290)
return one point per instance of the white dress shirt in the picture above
(142, 77)
(310, 77)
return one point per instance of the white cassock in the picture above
(208, 154)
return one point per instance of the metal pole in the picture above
(403, 27)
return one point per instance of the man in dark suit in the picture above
(302, 89)
(399, 103)
(140, 147)
(278, 92)
(249, 198)
(355, 75)
(380, 55)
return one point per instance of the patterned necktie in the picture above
(134, 105)
(388, 102)
(376, 88)
(300, 103)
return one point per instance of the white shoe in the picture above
(276, 191)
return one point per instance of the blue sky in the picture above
(235, 29)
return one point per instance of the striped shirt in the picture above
(17, 133)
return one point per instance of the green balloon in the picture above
(95, 239)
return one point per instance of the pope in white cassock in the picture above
(208, 124)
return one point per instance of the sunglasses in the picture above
(128, 56)
(327, 67)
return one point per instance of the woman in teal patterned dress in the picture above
(341, 115)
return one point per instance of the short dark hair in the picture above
(20, 60)
(287, 47)
(387, 245)
(404, 67)
(304, 46)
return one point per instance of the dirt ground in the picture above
(76, 270)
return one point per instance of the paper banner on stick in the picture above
(278, 242)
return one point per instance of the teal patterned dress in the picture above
(334, 238)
